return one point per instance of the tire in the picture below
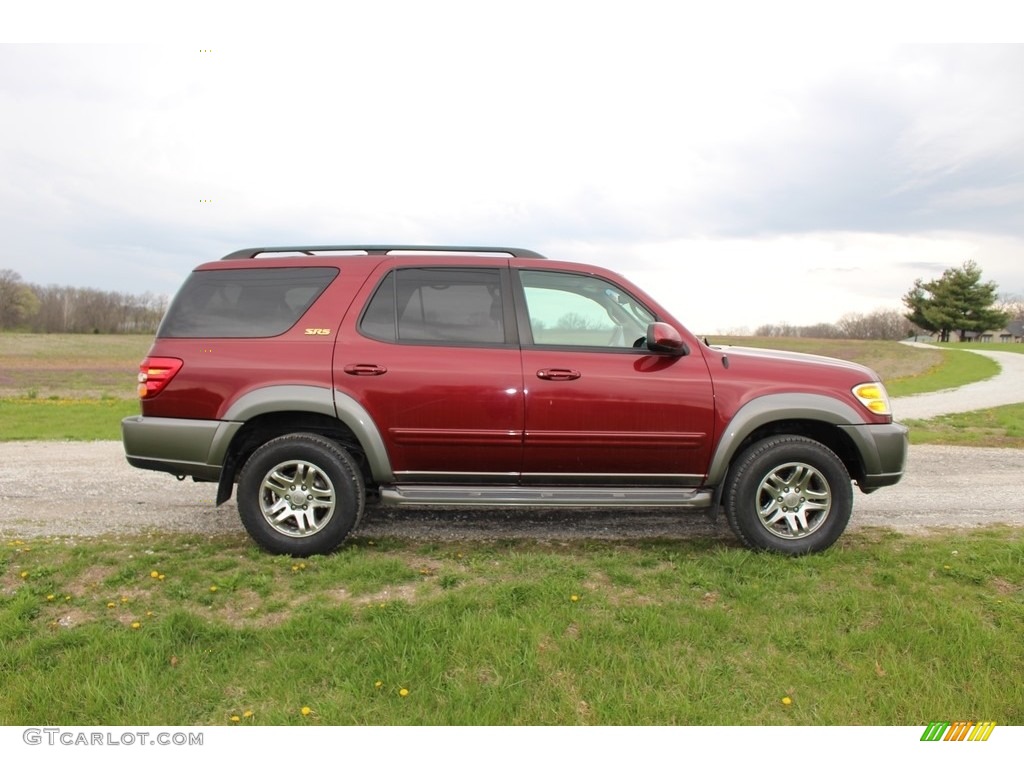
(300, 495)
(788, 494)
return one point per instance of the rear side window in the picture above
(243, 303)
(446, 305)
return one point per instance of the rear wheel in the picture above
(300, 495)
(788, 494)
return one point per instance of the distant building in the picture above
(1013, 333)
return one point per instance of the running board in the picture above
(520, 496)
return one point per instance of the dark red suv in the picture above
(314, 376)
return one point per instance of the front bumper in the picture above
(883, 450)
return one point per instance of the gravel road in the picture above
(1005, 388)
(88, 489)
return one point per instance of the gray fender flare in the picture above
(358, 420)
(770, 408)
(291, 397)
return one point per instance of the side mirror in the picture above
(662, 337)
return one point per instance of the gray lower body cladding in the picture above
(177, 446)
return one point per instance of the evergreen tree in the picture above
(958, 301)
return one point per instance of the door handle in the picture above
(558, 374)
(365, 369)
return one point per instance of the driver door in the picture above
(599, 409)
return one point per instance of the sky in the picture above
(745, 166)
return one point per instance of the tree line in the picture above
(62, 309)
(882, 324)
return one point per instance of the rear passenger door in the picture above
(434, 357)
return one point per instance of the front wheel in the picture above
(300, 495)
(788, 494)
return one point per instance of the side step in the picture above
(524, 496)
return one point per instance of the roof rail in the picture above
(383, 250)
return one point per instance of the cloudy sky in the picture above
(744, 178)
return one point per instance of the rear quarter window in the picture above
(244, 303)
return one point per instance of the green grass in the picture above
(989, 347)
(1001, 427)
(97, 419)
(955, 369)
(881, 629)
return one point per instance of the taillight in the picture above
(155, 373)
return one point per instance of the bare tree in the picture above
(85, 310)
(885, 324)
(881, 324)
(574, 321)
(1012, 305)
(18, 302)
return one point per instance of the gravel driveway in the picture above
(1005, 388)
(88, 489)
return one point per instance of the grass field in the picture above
(1001, 427)
(70, 366)
(881, 629)
(64, 419)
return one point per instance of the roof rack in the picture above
(382, 250)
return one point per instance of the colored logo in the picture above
(959, 730)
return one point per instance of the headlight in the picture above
(874, 397)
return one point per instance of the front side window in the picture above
(243, 303)
(575, 310)
(441, 305)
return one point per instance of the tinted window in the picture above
(439, 305)
(567, 309)
(244, 303)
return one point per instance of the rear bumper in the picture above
(182, 447)
(883, 450)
